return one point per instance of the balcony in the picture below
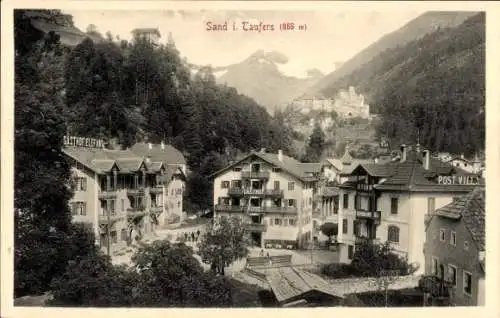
(105, 195)
(280, 209)
(256, 227)
(366, 240)
(362, 187)
(329, 192)
(365, 214)
(234, 191)
(229, 208)
(259, 192)
(156, 209)
(136, 211)
(255, 174)
(158, 189)
(135, 192)
(104, 219)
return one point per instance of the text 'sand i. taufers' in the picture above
(254, 27)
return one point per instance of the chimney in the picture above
(426, 159)
(417, 148)
(263, 150)
(375, 160)
(462, 156)
(162, 145)
(148, 160)
(280, 155)
(150, 145)
(403, 153)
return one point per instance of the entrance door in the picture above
(256, 238)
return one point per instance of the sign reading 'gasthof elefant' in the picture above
(83, 142)
(459, 180)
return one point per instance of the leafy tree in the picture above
(93, 281)
(162, 275)
(316, 144)
(44, 240)
(224, 242)
(330, 229)
(369, 259)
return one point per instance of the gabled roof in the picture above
(103, 164)
(470, 209)
(170, 172)
(410, 175)
(336, 163)
(130, 164)
(458, 158)
(168, 154)
(287, 164)
(375, 170)
(103, 160)
(290, 284)
(154, 166)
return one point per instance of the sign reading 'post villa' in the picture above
(459, 180)
(83, 142)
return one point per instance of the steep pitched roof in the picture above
(170, 172)
(336, 163)
(103, 160)
(288, 164)
(129, 164)
(471, 210)
(409, 175)
(290, 284)
(168, 154)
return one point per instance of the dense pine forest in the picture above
(122, 92)
(433, 86)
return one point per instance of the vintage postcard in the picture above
(250, 155)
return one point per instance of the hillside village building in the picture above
(471, 166)
(454, 250)
(388, 202)
(125, 193)
(151, 34)
(273, 194)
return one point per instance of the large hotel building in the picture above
(273, 193)
(389, 202)
(125, 193)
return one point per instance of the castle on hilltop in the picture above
(347, 103)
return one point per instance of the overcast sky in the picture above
(330, 37)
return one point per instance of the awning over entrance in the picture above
(293, 285)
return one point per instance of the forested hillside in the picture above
(413, 30)
(135, 91)
(434, 85)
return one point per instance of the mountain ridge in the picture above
(426, 23)
(260, 77)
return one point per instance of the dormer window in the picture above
(276, 169)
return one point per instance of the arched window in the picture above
(393, 234)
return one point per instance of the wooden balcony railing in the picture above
(108, 194)
(255, 227)
(368, 214)
(229, 208)
(156, 189)
(135, 191)
(255, 174)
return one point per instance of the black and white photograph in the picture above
(219, 156)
